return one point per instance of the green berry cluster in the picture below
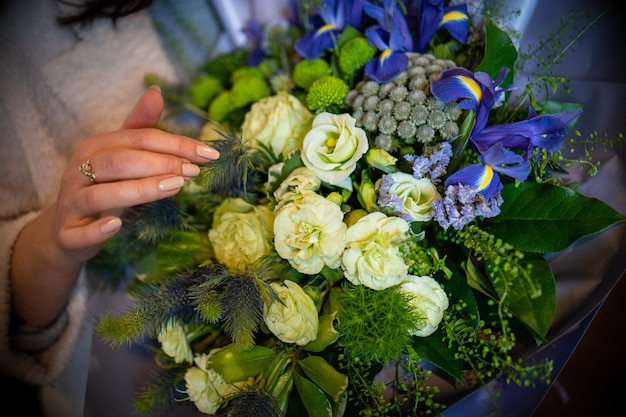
(488, 353)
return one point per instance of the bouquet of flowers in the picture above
(379, 214)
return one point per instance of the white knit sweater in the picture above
(58, 85)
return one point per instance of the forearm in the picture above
(42, 276)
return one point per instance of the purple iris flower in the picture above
(392, 37)
(254, 33)
(537, 131)
(388, 16)
(354, 12)
(473, 91)
(433, 16)
(392, 60)
(484, 177)
(332, 18)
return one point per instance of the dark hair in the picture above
(89, 10)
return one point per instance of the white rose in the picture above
(174, 342)
(241, 233)
(407, 196)
(372, 256)
(333, 146)
(310, 233)
(428, 299)
(279, 122)
(205, 387)
(293, 318)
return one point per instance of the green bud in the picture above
(381, 159)
(335, 197)
(366, 193)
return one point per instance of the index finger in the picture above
(154, 140)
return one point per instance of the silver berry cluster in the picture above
(403, 111)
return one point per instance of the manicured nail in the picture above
(111, 226)
(207, 152)
(190, 170)
(155, 87)
(172, 183)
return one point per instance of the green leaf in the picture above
(282, 389)
(147, 269)
(326, 334)
(551, 107)
(545, 218)
(476, 279)
(458, 287)
(236, 364)
(460, 142)
(536, 312)
(313, 398)
(499, 52)
(325, 376)
(436, 350)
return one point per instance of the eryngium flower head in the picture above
(403, 111)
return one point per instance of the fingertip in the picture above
(111, 226)
(207, 152)
(147, 111)
(155, 87)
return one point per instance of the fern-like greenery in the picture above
(375, 325)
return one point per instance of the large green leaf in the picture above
(325, 376)
(435, 350)
(499, 52)
(236, 364)
(313, 398)
(532, 298)
(544, 218)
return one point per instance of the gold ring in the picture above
(87, 170)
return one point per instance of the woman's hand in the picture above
(134, 165)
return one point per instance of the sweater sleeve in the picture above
(36, 356)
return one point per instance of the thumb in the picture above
(147, 111)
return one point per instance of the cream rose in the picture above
(279, 122)
(428, 299)
(310, 233)
(301, 181)
(406, 196)
(241, 233)
(372, 256)
(205, 387)
(333, 146)
(174, 342)
(293, 318)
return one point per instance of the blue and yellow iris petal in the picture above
(456, 21)
(506, 162)
(312, 44)
(480, 176)
(460, 85)
(387, 66)
(392, 59)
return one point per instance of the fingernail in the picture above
(207, 152)
(190, 170)
(155, 87)
(111, 226)
(172, 183)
